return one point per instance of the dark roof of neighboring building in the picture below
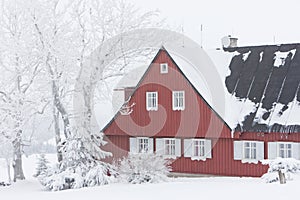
(268, 76)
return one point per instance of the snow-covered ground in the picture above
(178, 188)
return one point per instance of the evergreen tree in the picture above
(42, 166)
(79, 168)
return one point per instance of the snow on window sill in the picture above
(198, 158)
(152, 109)
(249, 161)
(178, 109)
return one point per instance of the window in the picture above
(164, 68)
(198, 148)
(143, 145)
(170, 147)
(285, 150)
(140, 145)
(250, 150)
(178, 100)
(151, 101)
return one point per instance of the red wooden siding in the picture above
(197, 120)
(268, 137)
(222, 162)
(117, 145)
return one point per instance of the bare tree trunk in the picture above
(17, 159)
(57, 135)
(282, 178)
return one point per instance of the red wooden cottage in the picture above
(169, 112)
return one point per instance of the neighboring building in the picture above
(170, 111)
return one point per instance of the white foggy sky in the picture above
(254, 22)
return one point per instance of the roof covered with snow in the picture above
(269, 77)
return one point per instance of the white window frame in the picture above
(252, 150)
(189, 149)
(285, 149)
(170, 148)
(154, 100)
(200, 145)
(143, 147)
(239, 151)
(164, 68)
(178, 97)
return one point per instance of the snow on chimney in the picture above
(229, 41)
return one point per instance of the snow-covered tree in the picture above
(20, 67)
(77, 169)
(144, 168)
(45, 46)
(42, 166)
(99, 22)
(6, 152)
(90, 24)
(281, 169)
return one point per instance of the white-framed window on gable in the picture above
(248, 151)
(168, 147)
(164, 68)
(141, 145)
(152, 101)
(285, 150)
(178, 100)
(197, 149)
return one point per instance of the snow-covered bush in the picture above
(78, 169)
(42, 166)
(143, 168)
(281, 169)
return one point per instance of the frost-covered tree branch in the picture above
(45, 59)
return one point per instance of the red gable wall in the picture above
(197, 119)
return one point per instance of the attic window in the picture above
(164, 68)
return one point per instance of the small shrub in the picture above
(143, 168)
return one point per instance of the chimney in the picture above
(229, 41)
